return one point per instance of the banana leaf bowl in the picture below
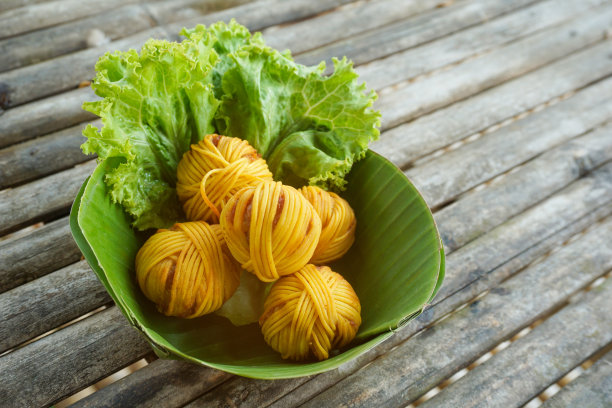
(396, 266)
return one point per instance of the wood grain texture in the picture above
(66, 361)
(474, 40)
(46, 197)
(411, 32)
(36, 16)
(48, 302)
(342, 23)
(493, 68)
(405, 143)
(63, 73)
(444, 178)
(527, 229)
(257, 16)
(420, 363)
(170, 11)
(533, 182)
(163, 383)
(471, 270)
(592, 389)
(45, 116)
(12, 4)
(539, 359)
(42, 156)
(66, 72)
(51, 42)
(36, 254)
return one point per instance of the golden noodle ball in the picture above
(213, 170)
(187, 270)
(337, 224)
(271, 229)
(309, 313)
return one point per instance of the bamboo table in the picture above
(500, 113)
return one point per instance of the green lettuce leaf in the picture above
(154, 106)
(310, 128)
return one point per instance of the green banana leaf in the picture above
(395, 266)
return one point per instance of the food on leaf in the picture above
(246, 305)
(271, 229)
(310, 313)
(337, 224)
(187, 270)
(212, 171)
(309, 127)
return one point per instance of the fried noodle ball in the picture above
(337, 224)
(187, 270)
(271, 229)
(310, 313)
(212, 171)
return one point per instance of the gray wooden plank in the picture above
(342, 23)
(405, 143)
(405, 34)
(66, 72)
(519, 234)
(45, 116)
(68, 360)
(51, 42)
(593, 389)
(470, 270)
(539, 359)
(493, 68)
(36, 16)
(48, 302)
(170, 11)
(42, 156)
(420, 363)
(46, 197)
(12, 4)
(408, 64)
(257, 16)
(533, 182)
(163, 383)
(444, 178)
(63, 73)
(36, 254)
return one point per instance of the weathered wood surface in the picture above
(535, 361)
(405, 34)
(531, 183)
(33, 17)
(45, 44)
(405, 143)
(47, 197)
(445, 177)
(42, 156)
(36, 254)
(69, 360)
(592, 389)
(477, 39)
(52, 300)
(163, 383)
(420, 363)
(493, 68)
(343, 23)
(45, 116)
